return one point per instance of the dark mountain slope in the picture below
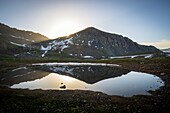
(93, 43)
(88, 43)
(13, 41)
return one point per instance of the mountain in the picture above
(88, 74)
(166, 50)
(13, 41)
(92, 43)
(88, 43)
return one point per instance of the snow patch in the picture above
(62, 69)
(149, 56)
(45, 48)
(65, 46)
(28, 53)
(16, 55)
(133, 56)
(19, 68)
(96, 47)
(16, 36)
(23, 45)
(77, 35)
(87, 57)
(44, 53)
(166, 50)
(75, 64)
(27, 39)
(89, 43)
(57, 45)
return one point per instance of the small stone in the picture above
(162, 73)
(63, 87)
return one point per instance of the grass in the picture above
(6, 61)
(45, 60)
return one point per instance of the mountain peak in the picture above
(91, 29)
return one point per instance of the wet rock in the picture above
(63, 87)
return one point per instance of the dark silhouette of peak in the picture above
(12, 40)
(99, 44)
(88, 43)
(92, 30)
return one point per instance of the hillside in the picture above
(88, 43)
(93, 43)
(14, 41)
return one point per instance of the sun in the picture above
(65, 27)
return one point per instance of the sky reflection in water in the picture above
(132, 83)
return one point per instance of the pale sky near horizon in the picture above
(143, 21)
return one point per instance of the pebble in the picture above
(162, 73)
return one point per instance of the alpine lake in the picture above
(110, 79)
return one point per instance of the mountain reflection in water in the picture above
(112, 80)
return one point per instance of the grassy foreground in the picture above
(77, 101)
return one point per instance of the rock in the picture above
(162, 73)
(63, 87)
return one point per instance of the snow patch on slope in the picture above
(166, 50)
(87, 57)
(90, 42)
(23, 45)
(45, 48)
(19, 68)
(75, 64)
(44, 53)
(18, 37)
(57, 45)
(134, 56)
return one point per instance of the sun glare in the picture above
(65, 28)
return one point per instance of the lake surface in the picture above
(110, 79)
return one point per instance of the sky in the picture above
(143, 21)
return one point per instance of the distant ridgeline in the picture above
(89, 43)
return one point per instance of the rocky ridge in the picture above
(89, 43)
